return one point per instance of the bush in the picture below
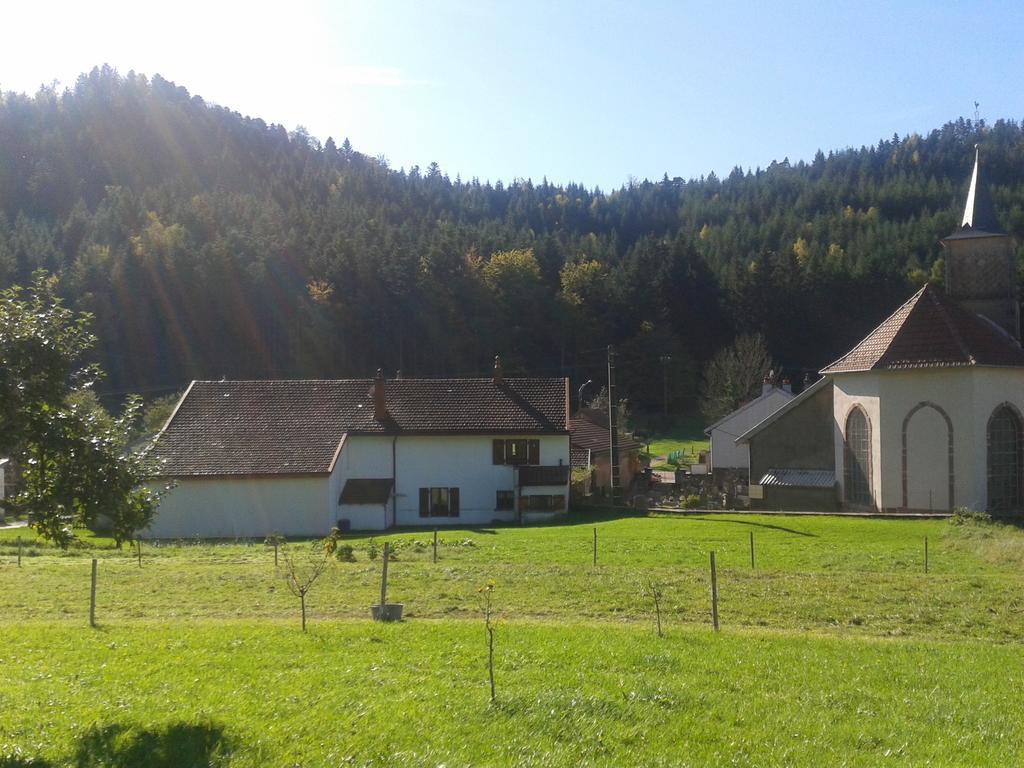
(346, 553)
(691, 502)
(372, 549)
(968, 516)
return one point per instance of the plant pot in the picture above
(387, 612)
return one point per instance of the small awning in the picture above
(799, 478)
(544, 475)
(366, 491)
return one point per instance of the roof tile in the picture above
(296, 426)
(931, 330)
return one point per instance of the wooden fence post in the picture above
(714, 593)
(92, 596)
(751, 549)
(435, 545)
(138, 544)
(384, 577)
(19, 551)
(926, 554)
(595, 546)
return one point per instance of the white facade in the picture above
(244, 507)
(928, 432)
(725, 453)
(310, 505)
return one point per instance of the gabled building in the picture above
(590, 446)
(250, 458)
(926, 411)
(726, 453)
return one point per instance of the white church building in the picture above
(926, 413)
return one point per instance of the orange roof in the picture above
(931, 330)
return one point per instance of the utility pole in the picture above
(665, 360)
(613, 430)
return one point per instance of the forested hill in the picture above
(210, 244)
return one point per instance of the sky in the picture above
(595, 92)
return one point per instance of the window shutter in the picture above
(533, 447)
(499, 451)
(453, 502)
(424, 502)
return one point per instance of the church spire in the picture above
(979, 213)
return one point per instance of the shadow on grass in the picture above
(756, 525)
(177, 745)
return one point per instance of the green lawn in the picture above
(836, 649)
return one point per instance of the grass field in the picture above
(836, 649)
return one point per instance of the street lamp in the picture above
(579, 394)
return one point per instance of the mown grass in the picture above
(354, 693)
(837, 649)
(843, 576)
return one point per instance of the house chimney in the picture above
(498, 375)
(380, 410)
(766, 384)
(787, 386)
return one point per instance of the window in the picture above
(1004, 460)
(439, 502)
(857, 458)
(543, 503)
(506, 500)
(517, 451)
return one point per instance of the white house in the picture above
(250, 458)
(726, 453)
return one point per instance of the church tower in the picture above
(980, 267)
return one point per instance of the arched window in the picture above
(1004, 459)
(857, 462)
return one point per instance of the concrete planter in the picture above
(387, 612)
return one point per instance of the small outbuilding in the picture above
(726, 453)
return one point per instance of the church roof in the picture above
(979, 219)
(931, 331)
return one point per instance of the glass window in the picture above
(439, 502)
(506, 500)
(857, 459)
(516, 451)
(544, 503)
(1004, 460)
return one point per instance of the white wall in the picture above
(968, 396)
(363, 457)
(991, 387)
(725, 453)
(309, 506)
(448, 461)
(850, 390)
(250, 507)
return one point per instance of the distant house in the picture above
(590, 445)
(251, 458)
(726, 453)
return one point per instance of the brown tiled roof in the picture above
(579, 457)
(281, 427)
(584, 433)
(931, 330)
